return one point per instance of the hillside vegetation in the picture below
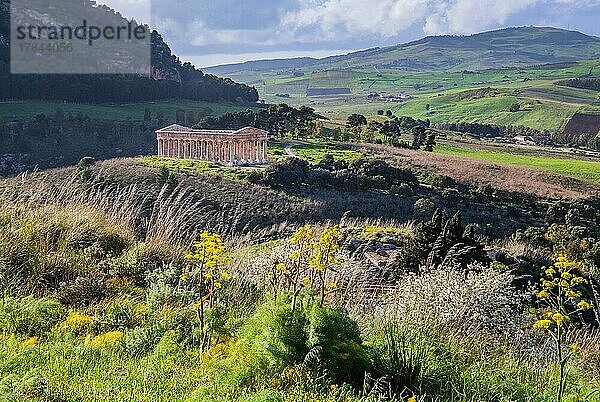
(115, 281)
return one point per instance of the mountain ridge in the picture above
(506, 47)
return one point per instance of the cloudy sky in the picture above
(211, 32)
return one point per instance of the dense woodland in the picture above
(169, 79)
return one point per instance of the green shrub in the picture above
(29, 316)
(120, 314)
(322, 339)
(141, 340)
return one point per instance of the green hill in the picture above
(510, 47)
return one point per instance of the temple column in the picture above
(260, 151)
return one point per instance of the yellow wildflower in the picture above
(548, 284)
(572, 294)
(550, 271)
(31, 341)
(280, 267)
(108, 339)
(574, 347)
(583, 305)
(558, 318)
(225, 276)
(306, 281)
(218, 285)
(566, 275)
(76, 323)
(412, 399)
(184, 277)
(542, 324)
(207, 276)
(543, 294)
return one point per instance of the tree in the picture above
(419, 134)
(356, 121)
(180, 116)
(389, 113)
(390, 130)
(429, 142)
(515, 107)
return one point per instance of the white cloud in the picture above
(336, 19)
(345, 19)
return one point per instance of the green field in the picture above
(584, 169)
(120, 112)
(544, 105)
(313, 150)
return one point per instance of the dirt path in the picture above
(288, 149)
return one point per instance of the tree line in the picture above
(582, 83)
(492, 130)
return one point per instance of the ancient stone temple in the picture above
(246, 146)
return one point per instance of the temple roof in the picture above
(179, 128)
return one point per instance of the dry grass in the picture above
(131, 194)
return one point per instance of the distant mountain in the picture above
(510, 47)
(169, 77)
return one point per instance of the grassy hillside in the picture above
(114, 281)
(544, 105)
(583, 169)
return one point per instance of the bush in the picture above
(120, 314)
(141, 341)
(76, 324)
(29, 316)
(322, 339)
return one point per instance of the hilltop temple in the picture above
(247, 146)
